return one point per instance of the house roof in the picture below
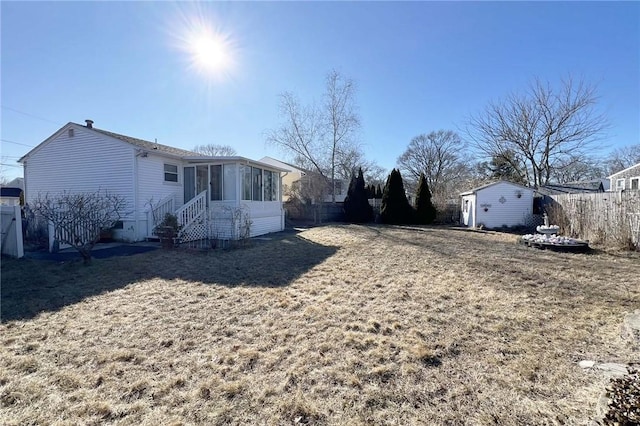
(625, 170)
(231, 159)
(486, 185)
(151, 146)
(140, 143)
(572, 187)
(183, 154)
(291, 167)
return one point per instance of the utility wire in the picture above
(9, 165)
(17, 143)
(30, 115)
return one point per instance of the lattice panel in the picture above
(195, 231)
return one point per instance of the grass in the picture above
(349, 325)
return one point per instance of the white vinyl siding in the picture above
(151, 185)
(501, 204)
(84, 162)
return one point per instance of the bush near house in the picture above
(395, 206)
(356, 205)
(425, 210)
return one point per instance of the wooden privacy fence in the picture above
(609, 218)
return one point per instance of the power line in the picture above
(9, 165)
(29, 115)
(17, 143)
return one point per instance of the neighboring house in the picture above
(572, 187)
(10, 196)
(497, 204)
(206, 193)
(296, 174)
(626, 179)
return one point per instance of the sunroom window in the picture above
(256, 178)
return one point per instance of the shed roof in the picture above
(486, 185)
(6, 191)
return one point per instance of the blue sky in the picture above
(419, 66)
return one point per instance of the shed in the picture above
(497, 204)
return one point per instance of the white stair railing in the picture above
(158, 212)
(191, 217)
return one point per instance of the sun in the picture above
(210, 53)
(208, 47)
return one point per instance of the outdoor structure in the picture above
(212, 197)
(10, 196)
(296, 174)
(11, 243)
(626, 179)
(497, 204)
(591, 186)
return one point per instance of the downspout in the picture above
(135, 196)
(283, 212)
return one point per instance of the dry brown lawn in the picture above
(345, 325)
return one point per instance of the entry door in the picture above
(202, 179)
(189, 183)
(196, 180)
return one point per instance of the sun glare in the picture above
(210, 51)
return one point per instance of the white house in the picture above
(211, 196)
(497, 204)
(296, 174)
(626, 179)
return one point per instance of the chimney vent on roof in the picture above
(89, 124)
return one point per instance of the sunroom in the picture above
(226, 198)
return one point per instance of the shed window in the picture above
(620, 184)
(634, 182)
(170, 173)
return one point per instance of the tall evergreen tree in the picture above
(379, 192)
(356, 205)
(425, 210)
(395, 208)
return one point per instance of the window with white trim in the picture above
(634, 182)
(619, 184)
(170, 173)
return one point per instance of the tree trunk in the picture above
(86, 256)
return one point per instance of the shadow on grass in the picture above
(30, 287)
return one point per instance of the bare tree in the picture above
(80, 217)
(318, 137)
(215, 150)
(577, 168)
(622, 158)
(439, 155)
(544, 126)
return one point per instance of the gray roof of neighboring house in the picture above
(572, 187)
(625, 170)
